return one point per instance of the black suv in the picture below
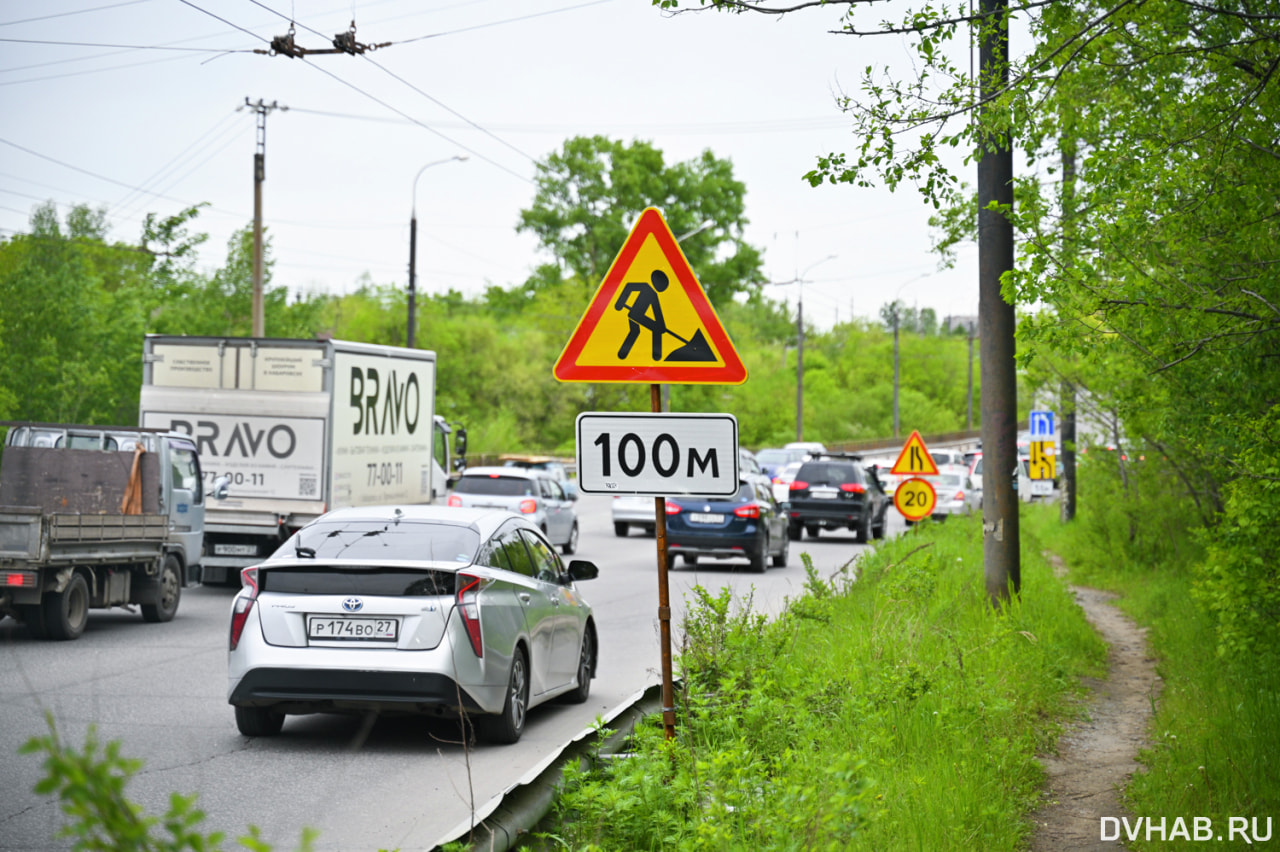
(834, 490)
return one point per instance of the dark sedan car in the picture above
(750, 525)
(834, 491)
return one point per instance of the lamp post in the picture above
(413, 248)
(800, 279)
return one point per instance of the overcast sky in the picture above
(115, 121)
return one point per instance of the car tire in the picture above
(67, 612)
(793, 531)
(690, 559)
(620, 530)
(812, 530)
(571, 545)
(756, 559)
(259, 721)
(780, 558)
(168, 594)
(507, 726)
(879, 529)
(586, 669)
(863, 531)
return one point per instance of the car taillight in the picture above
(798, 485)
(244, 604)
(469, 606)
(455, 501)
(528, 507)
(854, 488)
(672, 508)
(959, 496)
(748, 510)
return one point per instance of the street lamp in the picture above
(800, 347)
(413, 247)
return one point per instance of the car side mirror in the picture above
(220, 488)
(581, 569)
(571, 490)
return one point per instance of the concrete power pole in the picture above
(259, 175)
(1001, 563)
(897, 423)
(800, 365)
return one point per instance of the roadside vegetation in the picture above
(1214, 750)
(888, 708)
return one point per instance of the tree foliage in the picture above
(1149, 267)
(591, 191)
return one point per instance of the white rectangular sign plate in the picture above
(657, 455)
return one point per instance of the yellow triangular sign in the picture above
(915, 458)
(650, 320)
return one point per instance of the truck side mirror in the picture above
(460, 442)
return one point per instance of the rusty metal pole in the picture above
(664, 596)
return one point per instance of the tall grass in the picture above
(889, 708)
(1215, 738)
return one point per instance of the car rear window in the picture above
(502, 486)
(382, 580)
(383, 540)
(829, 473)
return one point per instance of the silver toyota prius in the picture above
(414, 609)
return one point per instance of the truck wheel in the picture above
(170, 591)
(259, 721)
(620, 530)
(67, 612)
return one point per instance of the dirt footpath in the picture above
(1097, 755)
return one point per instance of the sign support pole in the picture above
(664, 595)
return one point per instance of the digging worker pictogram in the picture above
(638, 312)
(646, 312)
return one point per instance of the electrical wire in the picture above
(73, 12)
(123, 46)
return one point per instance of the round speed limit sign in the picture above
(915, 499)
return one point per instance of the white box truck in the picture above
(299, 427)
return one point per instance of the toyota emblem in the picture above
(353, 604)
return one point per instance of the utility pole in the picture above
(897, 424)
(968, 417)
(1067, 438)
(800, 364)
(259, 175)
(1001, 565)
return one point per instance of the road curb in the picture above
(496, 825)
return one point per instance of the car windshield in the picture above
(829, 473)
(382, 540)
(496, 484)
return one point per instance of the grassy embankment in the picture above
(895, 712)
(1215, 738)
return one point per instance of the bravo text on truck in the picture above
(298, 427)
(94, 517)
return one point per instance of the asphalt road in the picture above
(364, 784)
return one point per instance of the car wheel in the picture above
(690, 558)
(793, 531)
(508, 725)
(812, 530)
(170, 591)
(756, 559)
(259, 721)
(879, 529)
(863, 531)
(572, 544)
(586, 669)
(67, 612)
(780, 558)
(620, 530)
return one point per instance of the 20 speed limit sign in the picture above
(658, 454)
(915, 499)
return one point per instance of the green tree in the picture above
(590, 192)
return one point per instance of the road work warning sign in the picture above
(650, 320)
